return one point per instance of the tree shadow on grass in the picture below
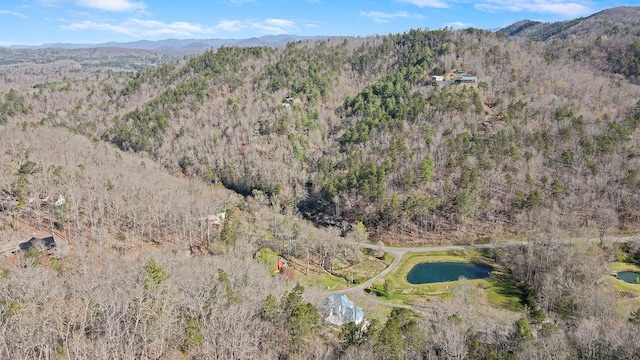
(515, 293)
(375, 291)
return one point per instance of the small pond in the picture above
(427, 273)
(629, 276)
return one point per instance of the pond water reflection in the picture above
(629, 276)
(427, 273)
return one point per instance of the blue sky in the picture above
(34, 22)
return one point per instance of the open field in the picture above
(499, 289)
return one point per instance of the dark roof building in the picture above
(467, 80)
(47, 243)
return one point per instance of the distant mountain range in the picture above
(182, 44)
(618, 19)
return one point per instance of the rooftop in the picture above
(341, 310)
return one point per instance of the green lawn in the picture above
(500, 289)
(623, 286)
(504, 292)
(623, 266)
(323, 281)
(398, 277)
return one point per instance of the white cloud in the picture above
(426, 3)
(282, 23)
(383, 17)
(144, 28)
(137, 28)
(268, 26)
(231, 25)
(112, 5)
(458, 25)
(268, 29)
(50, 3)
(558, 7)
(13, 13)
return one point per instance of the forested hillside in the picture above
(606, 40)
(356, 129)
(162, 174)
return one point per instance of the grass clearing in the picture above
(398, 277)
(323, 281)
(628, 295)
(504, 292)
(625, 289)
(373, 311)
(500, 289)
(349, 275)
(623, 266)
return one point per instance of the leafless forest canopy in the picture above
(130, 157)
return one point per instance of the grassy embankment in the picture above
(630, 292)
